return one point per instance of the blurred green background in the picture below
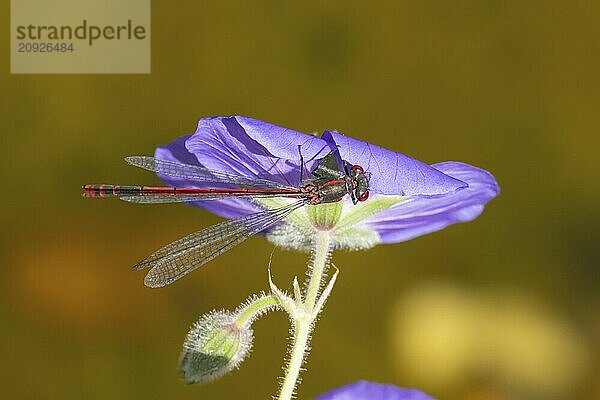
(503, 308)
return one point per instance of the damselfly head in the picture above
(360, 182)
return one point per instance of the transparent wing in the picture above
(182, 198)
(185, 255)
(201, 174)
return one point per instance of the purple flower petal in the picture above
(364, 390)
(420, 215)
(391, 172)
(254, 148)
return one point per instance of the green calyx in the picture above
(214, 346)
(343, 220)
(223, 342)
(354, 215)
(219, 341)
(199, 367)
(325, 216)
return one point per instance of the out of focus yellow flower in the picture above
(445, 336)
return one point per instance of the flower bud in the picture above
(214, 346)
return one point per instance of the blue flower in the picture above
(408, 198)
(364, 390)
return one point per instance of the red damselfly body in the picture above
(332, 179)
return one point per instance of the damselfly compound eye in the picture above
(364, 196)
(357, 168)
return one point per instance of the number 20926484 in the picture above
(29, 47)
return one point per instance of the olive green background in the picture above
(502, 308)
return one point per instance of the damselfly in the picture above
(330, 181)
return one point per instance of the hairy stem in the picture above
(301, 337)
(304, 323)
(317, 269)
(255, 308)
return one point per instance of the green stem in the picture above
(255, 308)
(317, 269)
(303, 324)
(301, 337)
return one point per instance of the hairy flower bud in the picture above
(214, 346)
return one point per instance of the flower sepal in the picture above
(220, 340)
(215, 345)
(295, 306)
